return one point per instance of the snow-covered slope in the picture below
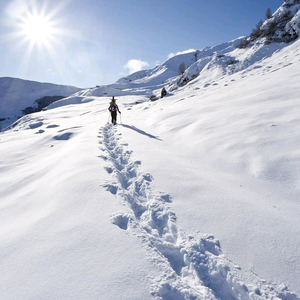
(284, 25)
(214, 62)
(151, 81)
(194, 196)
(207, 65)
(17, 94)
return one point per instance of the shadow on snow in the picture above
(140, 131)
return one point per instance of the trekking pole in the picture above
(121, 118)
(108, 119)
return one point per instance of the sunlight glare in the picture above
(37, 29)
(37, 23)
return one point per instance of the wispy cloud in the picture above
(182, 52)
(134, 65)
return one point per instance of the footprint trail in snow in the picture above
(191, 267)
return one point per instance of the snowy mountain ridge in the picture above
(212, 63)
(17, 94)
(166, 74)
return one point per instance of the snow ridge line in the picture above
(192, 267)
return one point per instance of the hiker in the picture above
(113, 108)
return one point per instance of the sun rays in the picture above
(37, 26)
(38, 29)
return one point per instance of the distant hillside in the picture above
(16, 95)
(165, 75)
(169, 71)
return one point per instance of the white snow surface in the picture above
(193, 196)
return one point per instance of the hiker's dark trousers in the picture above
(113, 116)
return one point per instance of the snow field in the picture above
(75, 191)
(193, 266)
(194, 196)
(236, 157)
(57, 241)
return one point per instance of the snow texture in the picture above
(192, 196)
(192, 267)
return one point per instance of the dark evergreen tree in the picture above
(181, 69)
(196, 55)
(268, 14)
(47, 100)
(163, 92)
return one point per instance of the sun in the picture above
(37, 24)
(38, 29)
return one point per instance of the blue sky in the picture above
(94, 42)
